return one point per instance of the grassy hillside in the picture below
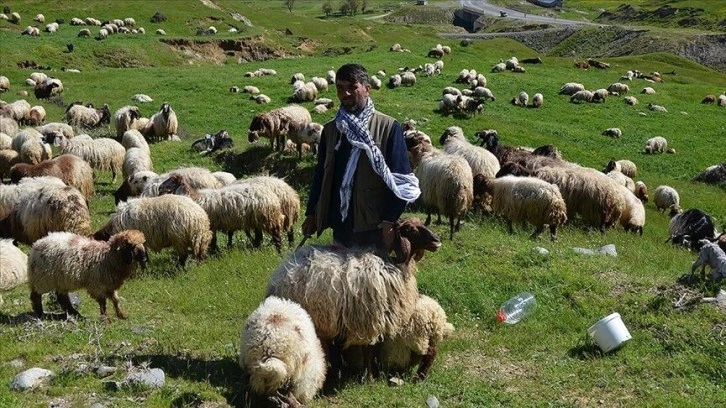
(187, 322)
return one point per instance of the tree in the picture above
(350, 7)
(328, 8)
(289, 4)
(363, 6)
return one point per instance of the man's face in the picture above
(353, 95)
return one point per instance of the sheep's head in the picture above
(641, 191)
(612, 165)
(175, 184)
(412, 239)
(260, 124)
(451, 132)
(548, 150)
(104, 115)
(130, 244)
(134, 114)
(488, 138)
(675, 209)
(512, 169)
(165, 109)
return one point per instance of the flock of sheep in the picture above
(313, 297)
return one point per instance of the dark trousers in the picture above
(349, 238)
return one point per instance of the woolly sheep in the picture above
(85, 117)
(35, 151)
(47, 209)
(36, 115)
(600, 95)
(103, 33)
(500, 67)
(6, 142)
(320, 83)
(166, 221)
(721, 100)
(713, 256)
(141, 98)
(331, 283)
(626, 167)
(52, 27)
(77, 21)
(224, 177)
(197, 177)
(633, 216)
(657, 108)
(688, 228)
(25, 135)
(713, 174)
(261, 98)
(622, 180)
(72, 170)
(31, 31)
(665, 198)
(298, 76)
(613, 132)
(330, 76)
(522, 99)
(310, 133)
(136, 160)
(102, 153)
(13, 265)
(14, 18)
(525, 199)
(648, 91)
(571, 88)
(281, 354)
(10, 195)
(53, 128)
(446, 182)
(162, 125)
(17, 110)
(126, 119)
(319, 109)
(8, 158)
(376, 83)
(417, 341)
(50, 87)
(618, 88)
(289, 201)
(251, 89)
(656, 144)
(160, 31)
(233, 208)
(394, 81)
(408, 79)
(4, 83)
(63, 262)
(582, 96)
(134, 138)
(84, 33)
(537, 100)
(129, 21)
(8, 126)
(276, 124)
(449, 103)
(480, 159)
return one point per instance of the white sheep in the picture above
(657, 108)
(582, 96)
(136, 160)
(6, 142)
(13, 265)
(376, 83)
(84, 33)
(276, 124)
(102, 153)
(330, 76)
(250, 89)
(134, 138)
(712, 255)
(318, 109)
(10, 195)
(36, 115)
(626, 167)
(126, 118)
(289, 201)
(622, 180)
(166, 221)
(4, 84)
(224, 178)
(163, 125)
(298, 76)
(417, 341)
(648, 91)
(666, 198)
(17, 110)
(160, 31)
(600, 95)
(320, 83)
(613, 132)
(500, 67)
(618, 89)
(481, 160)
(25, 135)
(261, 99)
(280, 352)
(35, 151)
(571, 88)
(129, 21)
(63, 262)
(537, 100)
(71, 169)
(304, 92)
(633, 216)
(141, 98)
(522, 99)
(45, 209)
(394, 81)
(9, 126)
(87, 117)
(53, 128)
(233, 208)
(657, 144)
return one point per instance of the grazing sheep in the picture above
(102, 153)
(35, 151)
(162, 125)
(304, 92)
(582, 96)
(537, 100)
(331, 282)
(48, 88)
(281, 354)
(166, 221)
(376, 83)
(446, 182)
(408, 79)
(483, 93)
(49, 130)
(25, 135)
(36, 116)
(126, 118)
(666, 197)
(417, 341)
(46, 209)
(712, 255)
(500, 67)
(299, 76)
(197, 177)
(17, 111)
(709, 99)
(84, 33)
(641, 191)
(622, 180)
(63, 262)
(86, 117)
(319, 109)
(656, 144)
(261, 98)
(525, 199)
(330, 76)
(141, 98)
(136, 160)
(134, 138)
(571, 88)
(600, 95)
(618, 89)
(309, 134)
(8, 126)
(320, 83)
(71, 169)
(289, 201)
(480, 159)
(626, 167)
(233, 208)
(277, 123)
(13, 265)
(633, 216)
(4, 84)
(688, 228)
(648, 91)
(8, 158)
(394, 81)
(721, 100)
(251, 89)
(160, 31)
(613, 132)
(715, 174)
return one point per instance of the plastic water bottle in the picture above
(517, 308)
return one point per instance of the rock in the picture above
(105, 371)
(432, 402)
(605, 250)
(541, 251)
(395, 382)
(30, 379)
(153, 378)
(17, 363)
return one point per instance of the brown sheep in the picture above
(72, 170)
(709, 99)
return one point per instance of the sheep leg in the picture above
(65, 302)
(291, 237)
(451, 228)
(183, 259)
(249, 236)
(257, 241)
(113, 295)
(277, 240)
(553, 233)
(426, 362)
(230, 234)
(510, 228)
(428, 218)
(213, 244)
(37, 301)
(368, 361)
(538, 230)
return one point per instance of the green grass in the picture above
(187, 322)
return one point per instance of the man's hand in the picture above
(387, 235)
(310, 225)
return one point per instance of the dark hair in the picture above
(353, 73)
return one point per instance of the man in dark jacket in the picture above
(363, 178)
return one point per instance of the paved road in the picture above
(484, 7)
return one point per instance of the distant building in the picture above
(547, 3)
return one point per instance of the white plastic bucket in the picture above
(609, 332)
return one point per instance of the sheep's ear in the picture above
(402, 248)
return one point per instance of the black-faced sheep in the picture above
(612, 132)
(715, 174)
(281, 354)
(87, 117)
(162, 125)
(688, 228)
(213, 142)
(276, 124)
(47, 89)
(63, 262)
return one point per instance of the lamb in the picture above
(71, 169)
(626, 167)
(480, 159)
(327, 102)
(304, 92)
(633, 216)
(712, 255)
(136, 160)
(657, 108)
(281, 354)
(331, 283)
(417, 341)
(657, 144)
(166, 221)
(85, 117)
(125, 119)
(261, 98)
(613, 132)
(582, 96)
(134, 138)
(47, 208)
(648, 91)
(525, 199)
(13, 265)
(102, 153)
(235, 207)
(537, 100)
(446, 182)
(310, 134)
(276, 124)
(289, 201)
(162, 125)
(571, 88)
(63, 262)
(666, 198)
(690, 227)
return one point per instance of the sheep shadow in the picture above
(256, 160)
